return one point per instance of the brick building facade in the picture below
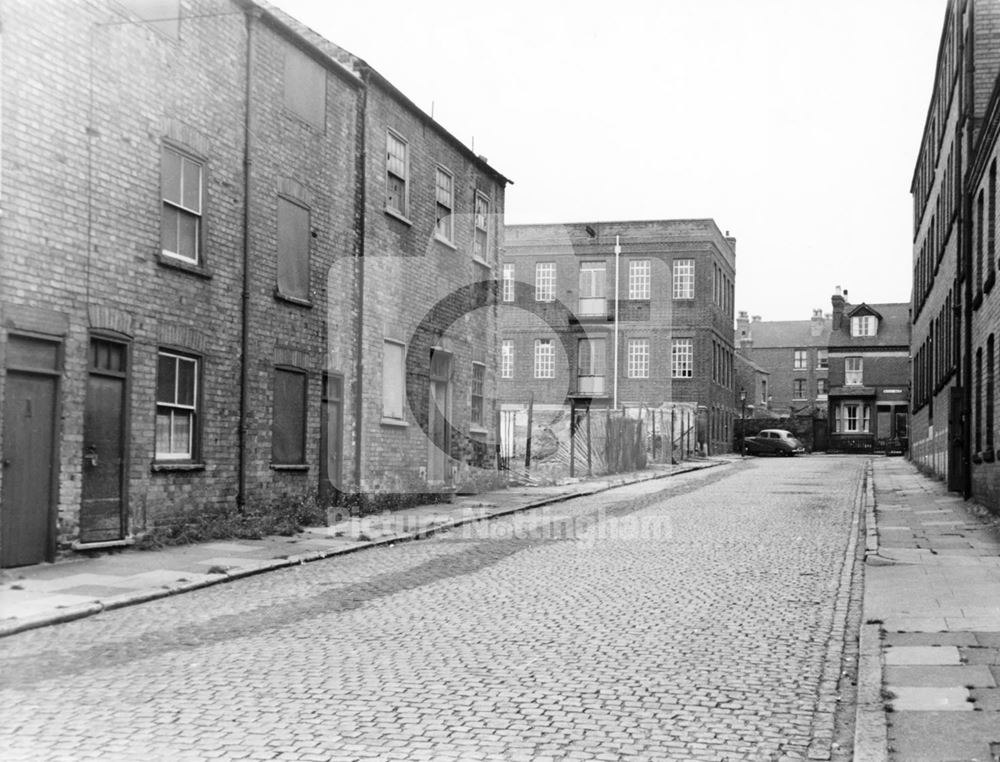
(674, 281)
(952, 207)
(795, 353)
(869, 370)
(187, 206)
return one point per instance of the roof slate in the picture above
(788, 333)
(893, 328)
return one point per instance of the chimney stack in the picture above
(838, 308)
(744, 339)
(818, 323)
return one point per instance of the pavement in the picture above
(84, 585)
(929, 665)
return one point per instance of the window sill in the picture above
(166, 467)
(445, 242)
(478, 430)
(301, 467)
(396, 423)
(179, 264)
(399, 216)
(296, 300)
(482, 263)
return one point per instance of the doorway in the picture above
(331, 438)
(438, 418)
(103, 505)
(27, 501)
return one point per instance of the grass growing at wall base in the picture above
(284, 516)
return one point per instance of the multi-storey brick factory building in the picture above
(623, 315)
(954, 216)
(205, 221)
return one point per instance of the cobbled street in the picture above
(699, 617)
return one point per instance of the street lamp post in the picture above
(743, 432)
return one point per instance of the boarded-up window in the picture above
(393, 380)
(293, 250)
(288, 420)
(305, 88)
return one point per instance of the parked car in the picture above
(773, 442)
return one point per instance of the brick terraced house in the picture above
(795, 354)
(206, 214)
(869, 373)
(672, 282)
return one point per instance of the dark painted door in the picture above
(330, 438)
(102, 510)
(955, 441)
(28, 450)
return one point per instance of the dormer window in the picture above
(864, 325)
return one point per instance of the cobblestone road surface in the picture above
(698, 617)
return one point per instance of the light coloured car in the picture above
(774, 442)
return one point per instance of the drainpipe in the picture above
(251, 15)
(965, 104)
(360, 215)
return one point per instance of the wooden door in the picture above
(956, 445)
(103, 507)
(438, 419)
(331, 437)
(27, 501)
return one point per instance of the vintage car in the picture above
(773, 442)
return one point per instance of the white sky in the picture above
(794, 124)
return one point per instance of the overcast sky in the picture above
(794, 124)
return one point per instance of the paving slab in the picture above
(930, 639)
(972, 675)
(928, 699)
(915, 655)
(942, 736)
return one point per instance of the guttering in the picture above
(251, 13)
(360, 216)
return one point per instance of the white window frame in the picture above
(507, 358)
(545, 281)
(682, 358)
(545, 359)
(822, 359)
(800, 359)
(175, 410)
(477, 389)
(393, 400)
(854, 371)
(683, 279)
(637, 365)
(481, 228)
(593, 282)
(507, 278)
(864, 325)
(639, 279)
(859, 422)
(178, 206)
(444, 205)
(397, 167)
(800, 388)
